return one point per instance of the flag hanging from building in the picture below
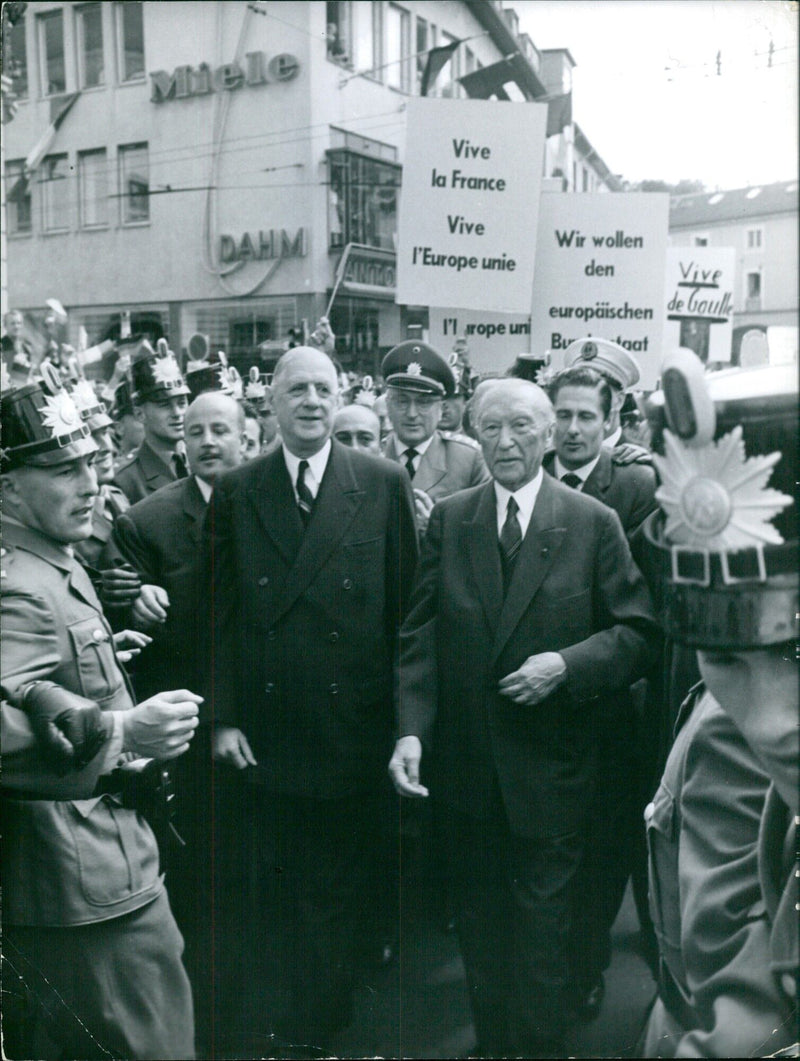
(59, 110)
(488, 81)
(437, 60)
(559, 113)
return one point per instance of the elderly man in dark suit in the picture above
(614, 839)
(528, 612)
(311, 553)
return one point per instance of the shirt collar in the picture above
(583, 472)
(525, 498)
(317, 464)
(418, 447)
(205, 488)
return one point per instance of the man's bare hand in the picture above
(629, 453)
(232, 747)
(423, 506)
(536, 679)
(129, 643)
(404, 767)
(151, 606)
(162, 726)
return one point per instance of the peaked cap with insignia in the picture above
(42, 425)
(416, 366)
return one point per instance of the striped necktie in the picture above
(305, 499)
(510, 541)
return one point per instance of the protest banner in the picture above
(467, 221)
(600, 271)
(699, 301)
(493, 339)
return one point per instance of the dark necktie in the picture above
(305, 499)
(179, 465)
(571, 479)
(410, 455)
(510, 541)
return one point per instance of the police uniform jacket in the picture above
(143, 474)
(629, 489)
(447, 465)
(575, 590)
(75, 858)
(160, 536)
(306, 620)
(108, 504)
(718, 996)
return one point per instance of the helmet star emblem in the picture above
(60, 414)
(715, 497)
(166, 371)
(414, 369)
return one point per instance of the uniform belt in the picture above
(108, 784)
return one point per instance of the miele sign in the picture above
(256, 69)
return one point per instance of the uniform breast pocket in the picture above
(98, 674)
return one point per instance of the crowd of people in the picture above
(568, 631)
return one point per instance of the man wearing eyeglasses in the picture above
(417, 379)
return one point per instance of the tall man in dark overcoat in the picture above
(312, 550)
(527, 612)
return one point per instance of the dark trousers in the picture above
(298, 902)
(511, 897)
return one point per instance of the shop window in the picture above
(130, 41)
(54, 184)
(398, 48)
(18, 199)
(755, 239)
(244, 337)
(134, 178)
(367, 37)
(338, 30)
(91, 62)
(16, 58)
(51, 51)
(362, 200)
(93, 183)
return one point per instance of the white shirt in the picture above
(525, 498)
(583, 472)
(205, 488)
(419, 448)
(316, 467)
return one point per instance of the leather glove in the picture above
(70, 729)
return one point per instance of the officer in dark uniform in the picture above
(160, 399)
(722, 824)
(86, 920)
(417, 380)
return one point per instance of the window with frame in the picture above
(424, 41)
(93, 184)
(130, 40)
(134, 177)
(366, 20)
(18, 199)
(363, 200)
(755, 239)
(91, 61)
(338, 25)
(54, 185)
(51, 52)
(451, 88)
(753, 281)
(700, 240)
(398, 48)
(17, 57)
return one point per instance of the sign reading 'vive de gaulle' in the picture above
(467, 222)
(699, 300)
(200, 80)
(600, 271)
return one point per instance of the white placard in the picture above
(600, 271)
(472, 176)
(494, 340)
(698, 299)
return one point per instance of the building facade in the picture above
(184, 167)
(761, 224)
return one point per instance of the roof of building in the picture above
(707, 208)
